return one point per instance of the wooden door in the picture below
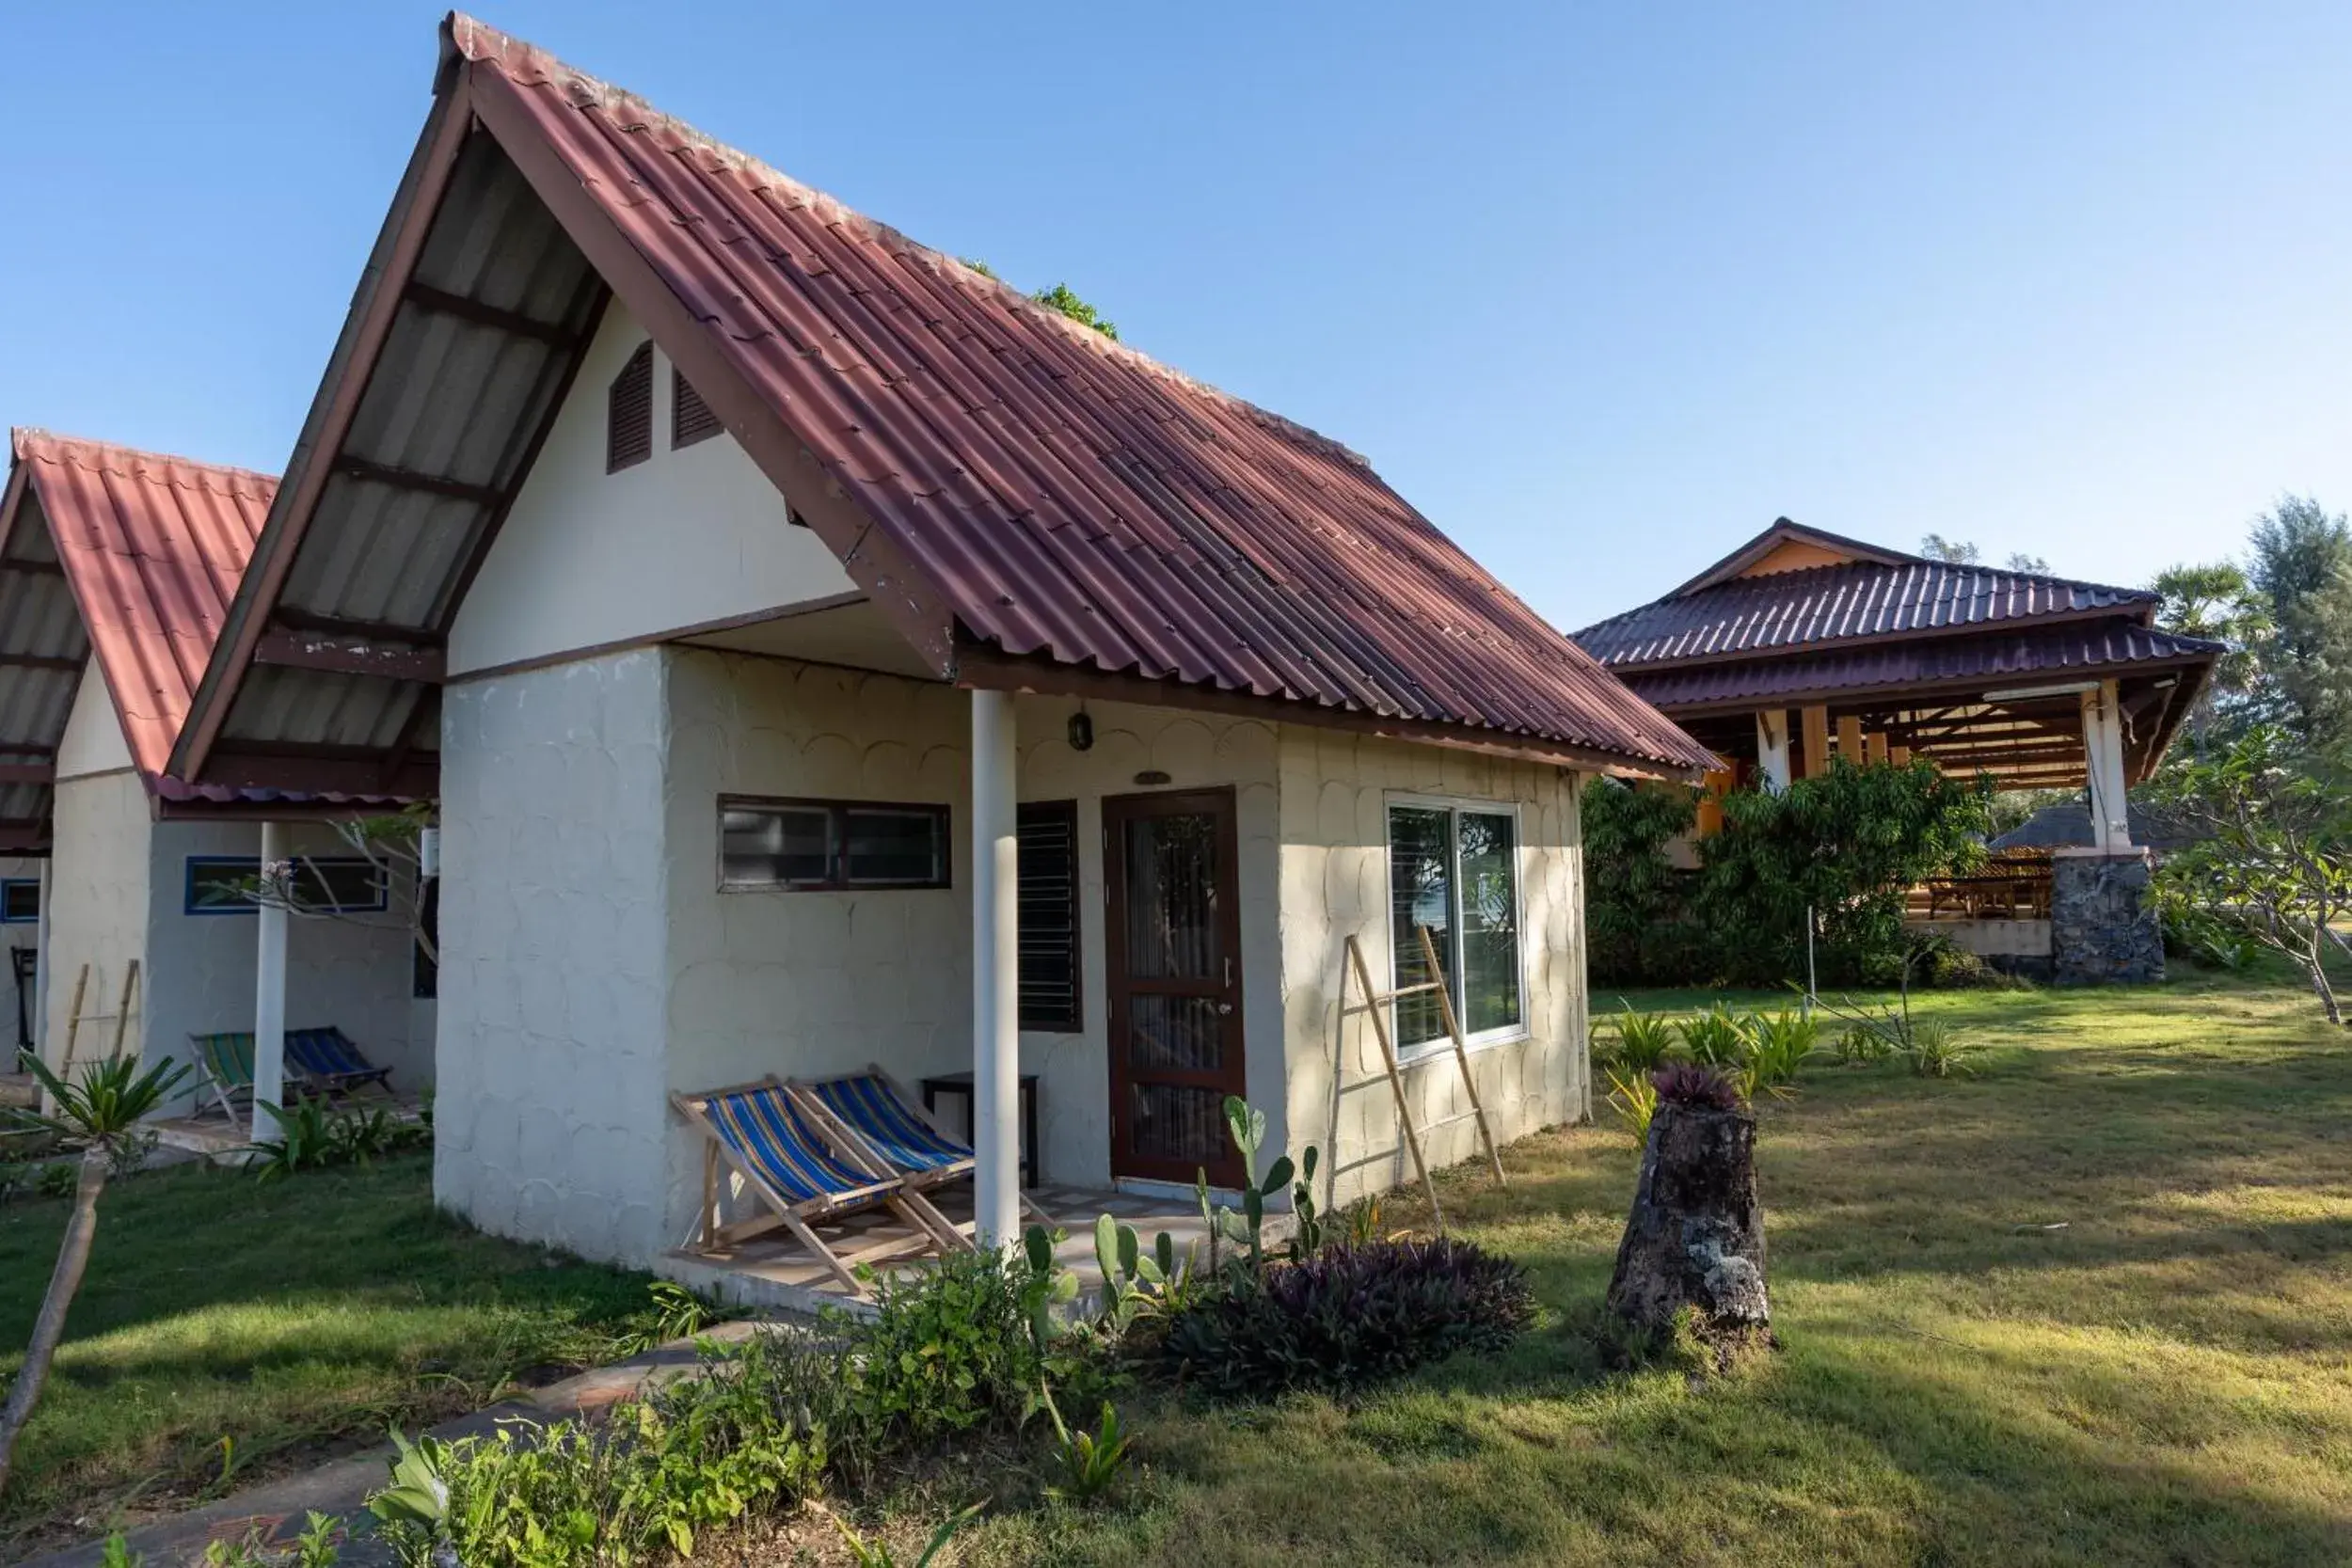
(1175, 983)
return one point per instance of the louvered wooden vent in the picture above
(628, 413)
(1049, 915)
(691, 419)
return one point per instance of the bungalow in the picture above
(116, 567)
(1802, 644)
(830, 657)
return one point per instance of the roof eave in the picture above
(365, 326)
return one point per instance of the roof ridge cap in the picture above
(478, 42)
(32, 443)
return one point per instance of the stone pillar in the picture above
(2102, 924)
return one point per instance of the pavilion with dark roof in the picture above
(1803, 645)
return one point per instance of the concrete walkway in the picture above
(281, 1508)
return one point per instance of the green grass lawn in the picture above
(285, 1318)
(2093, 1306)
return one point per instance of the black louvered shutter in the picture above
(691, 419)
(628, 413)
(1049, 916)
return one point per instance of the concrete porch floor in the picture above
(214, 1136)
(774, 1271)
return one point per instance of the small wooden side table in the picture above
(960, 1084)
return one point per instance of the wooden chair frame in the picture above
(861, 1151)
(933, 1231)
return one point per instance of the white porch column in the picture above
(1771, 747)
(269, 994)
(995, 977)
(2103, 748)
(40, 965)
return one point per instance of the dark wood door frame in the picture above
(1119, 811)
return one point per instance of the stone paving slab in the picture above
(281, 1508)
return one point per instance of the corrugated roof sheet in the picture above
(2063, 650)
(1066, 498)
(152, 548)
(1785, 611)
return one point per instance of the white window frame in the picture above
(1410, 1051)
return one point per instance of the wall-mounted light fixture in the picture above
(1151, 776)
(1081, 732)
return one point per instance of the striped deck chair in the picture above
(224, 1071)
(872, 1114)
(330, 1064)
(759, 1132)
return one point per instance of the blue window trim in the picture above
(247, 865)
(9, 884)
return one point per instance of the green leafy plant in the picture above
(305, 1141)
(1643, 1039)
(1634, 1098)
(1938, 1050)
(1360, 1223)
(1776, 1046)
(872, 1554)
(100, 1112)
(948, 1349)
(672, 1313)
(1090, 1462)
(116, 1553)
(1859, 1045)
(1713, 1038)
(319, 1546)
(1133, 1281)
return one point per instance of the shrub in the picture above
(1634, 1098)
(748, 1435)
(1638, 921)
(1713, 1038)
(1695, 1085)
(1861, 1045)
(949, 1346)
(1940, 1051)
(1348, 1317)
(1643, 1038)
(1776, 1046)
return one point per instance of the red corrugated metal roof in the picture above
(1816, 606)
(1066, 497)
(152, 548)
(2064, 651)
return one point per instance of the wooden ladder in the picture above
(1374, 1005)
(120, 1018)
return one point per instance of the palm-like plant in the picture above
(100, 1113)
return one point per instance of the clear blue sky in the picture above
(1602, 289)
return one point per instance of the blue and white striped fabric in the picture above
(325, 1054)
(765, 1129)
(901, 1137)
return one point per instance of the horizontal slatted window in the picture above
(628, 413)
(1049, 916)
(691, 419)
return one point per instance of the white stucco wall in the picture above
(1336, 789)
(592, 964)
(98, 901)
(586, 559)
(550, 1120)
(93, 740)
(350, 971)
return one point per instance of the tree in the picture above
(1962, 552)
(102, 1114)
(2301, 567)
(393, 843)
(2275, 860)
(1059, 297)
(2216, 601)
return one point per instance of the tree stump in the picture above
(1696, 1237)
